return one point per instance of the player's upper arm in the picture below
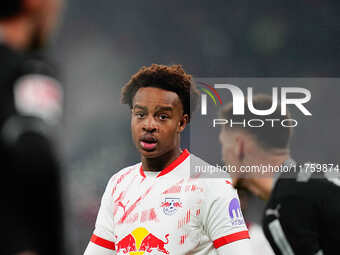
(294, 228)
(103, 241)
(93, 249)
(222, 217)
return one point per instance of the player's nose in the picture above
(149, 124)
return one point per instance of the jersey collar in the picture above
(185, 153)
(289, 163)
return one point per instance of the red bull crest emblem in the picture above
(141, 241)
(171, 205)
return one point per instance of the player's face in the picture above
(46, 19)
(157, 121)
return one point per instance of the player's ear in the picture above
(239, 148)
(183, 123)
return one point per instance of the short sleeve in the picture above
(103, 234)
(222, 216)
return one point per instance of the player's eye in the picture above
(163, 116)
(139, 115)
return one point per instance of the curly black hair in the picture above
(172, 78)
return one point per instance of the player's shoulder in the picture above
(212, 178)
(33, 84)
(307, 176)
(302, 185)
(218, 186)
(125, 173)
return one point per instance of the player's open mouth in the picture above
(148, 143)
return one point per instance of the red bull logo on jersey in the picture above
(140, 241)
(171, 205)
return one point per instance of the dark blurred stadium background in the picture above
(101, 43)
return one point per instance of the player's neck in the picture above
(16, 33)
(161, 162)
(264, 185)
(275, 157)
(275, 161)
(261, 187)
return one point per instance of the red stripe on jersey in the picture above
(231, 238)
(133, 206)
(102, 242)
(185, 153)
(141, 171)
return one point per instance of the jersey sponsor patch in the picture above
(39, 96)
(235, 212)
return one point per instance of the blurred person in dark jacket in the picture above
(30, 108)
(302, 210)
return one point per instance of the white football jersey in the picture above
(167, 212)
